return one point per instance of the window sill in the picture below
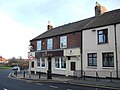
(41, 67)
(92, 67)
(107, 67)
(102, 43)
(60, 68)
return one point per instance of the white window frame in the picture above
(60, 62)
(40, 63)
(39, 45)
(63, 42)
(49, 43)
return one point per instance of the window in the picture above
(57, 63)
(63, 42)
(92, 59)
(60, 62)
(49, 44)
(103, 36)
(38, 45)
(63, 63)
(38, 62)
(41, 62)
(108, 59)
(32, 64)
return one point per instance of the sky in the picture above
(22, 20)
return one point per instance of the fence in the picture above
(99, 74)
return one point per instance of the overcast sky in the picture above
(22, 20)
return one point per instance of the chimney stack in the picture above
(49, 26)
(99, 9)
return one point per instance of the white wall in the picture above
(90, 45)
(66, 71)
(118, 44)
(56, 70)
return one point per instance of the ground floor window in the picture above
(60, 62)
(108, 59)
(92, 59)
(32, 64)
(40, 62)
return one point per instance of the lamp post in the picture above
(49, 71)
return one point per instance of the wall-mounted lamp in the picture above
(30, 47)
(93, 30)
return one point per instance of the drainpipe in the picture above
(116, 51)
(81, 51)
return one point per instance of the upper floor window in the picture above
(39, 45)
(63, 42)
(49, 43)
(103, 36)
(92, 59)
(108, 59)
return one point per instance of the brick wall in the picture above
(73, 40)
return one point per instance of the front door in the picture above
(73, 66)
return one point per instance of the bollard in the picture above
(97, 76)
(39, 75)
(29, 75)
(49, 74)
(111, 76)
(16, 72)
(84, 74)
(24, 74)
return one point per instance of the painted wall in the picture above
(90, 45)
(118, 45)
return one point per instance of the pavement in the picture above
(113, 84)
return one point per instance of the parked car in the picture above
(17, 68)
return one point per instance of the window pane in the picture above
(63, 63)
(108, 60)
(94, 62)
(43, 62)
(38, 45)
(100, 38)
(90, 62)
(49, 44)
(57, 63)
(63, 42)
(100, 32)
(92, 59)
(38, 62)
(103, 36)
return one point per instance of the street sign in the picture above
(30, 57)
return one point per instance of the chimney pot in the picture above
(99, 9)
(49, 26)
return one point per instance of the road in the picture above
(7, 83)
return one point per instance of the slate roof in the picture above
(108, 18)
(67, 28)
